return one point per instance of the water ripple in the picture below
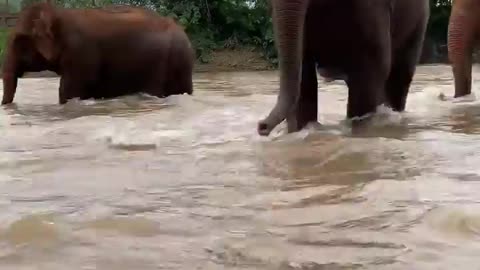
(185, 182)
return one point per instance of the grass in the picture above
(3, 42)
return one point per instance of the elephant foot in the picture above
(263, 128)
(465, 98)
(461, 95)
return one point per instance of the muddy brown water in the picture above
(186, 183)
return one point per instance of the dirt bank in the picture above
(235, 60)
(224, 60)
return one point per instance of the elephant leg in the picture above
(90, 91)
(461, 37)
(366, 83)
(186, 82)
(403, 70)
(155, 82)
(179, 66)
(180, 81)
(365, 92)
(156, 91)
(80, 78)
(174, 80)
(184, 74)
(307, 107)
(71, 87)
(288, 25)
(368, 75)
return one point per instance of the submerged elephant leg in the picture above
(365, 92)
(174, 82)
(367, 78)
(71, 87)
(157, 82)
(366, 84)
(178, 69)
(79, 78)
(179, 81)
(398, 83)
(307, 107)
(403, 69)
(185, 81)
(172, 78)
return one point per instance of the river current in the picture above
(185, 182)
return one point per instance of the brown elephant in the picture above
(374, 45)
(463, 33)
(99, 53)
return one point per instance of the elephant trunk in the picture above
(460, 39)
(9, 87)
(10, 74)
(288, 22)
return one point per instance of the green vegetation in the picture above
(243, 24)
(3, 41)
(220, 24)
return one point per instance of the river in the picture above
(186, 183)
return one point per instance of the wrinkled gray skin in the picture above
(463, 37)
(374, 45)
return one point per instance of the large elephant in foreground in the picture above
(463, 33)
(99, 53)
(376, 44)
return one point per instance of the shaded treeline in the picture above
(217, 24)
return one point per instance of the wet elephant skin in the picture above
(99, 53)
(374, 45)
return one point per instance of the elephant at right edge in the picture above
(463, 33)
(374, 45)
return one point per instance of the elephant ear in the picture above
(43, 33)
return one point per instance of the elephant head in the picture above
(288, 24)
(30, 46)
(463, 25)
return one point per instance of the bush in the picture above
(3, 43)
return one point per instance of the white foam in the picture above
(129, 134)
(438, 101)
(468, 98)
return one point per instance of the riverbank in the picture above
(220, 61)
(247, 59)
